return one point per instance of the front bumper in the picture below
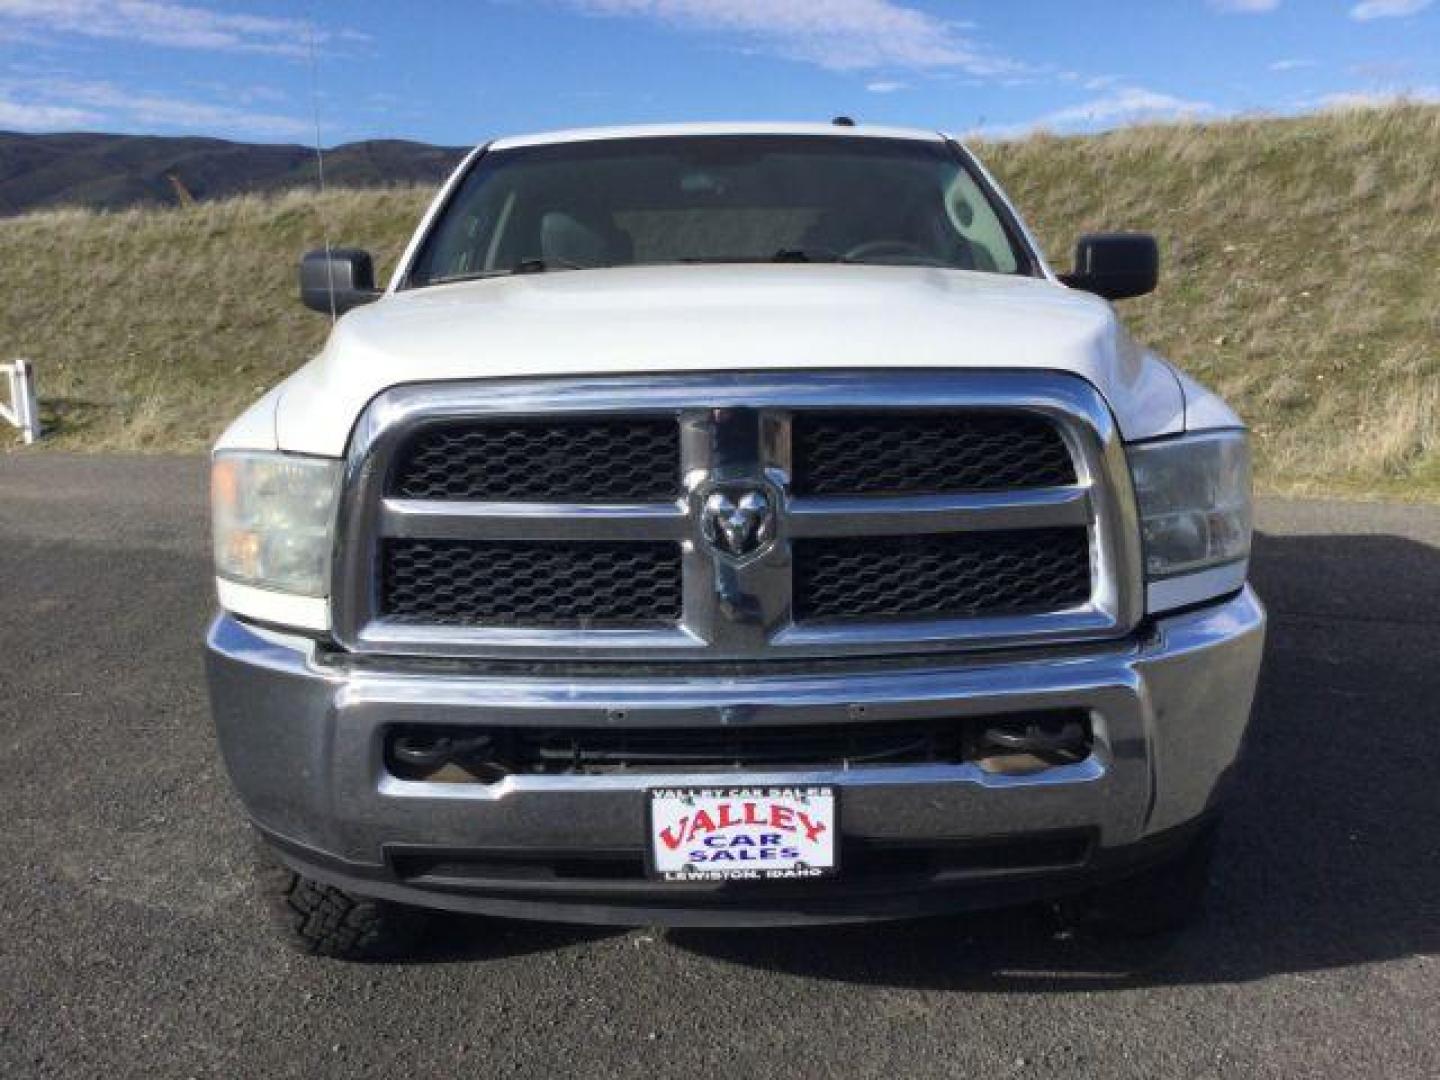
(303, 741)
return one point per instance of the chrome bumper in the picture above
(303, 742)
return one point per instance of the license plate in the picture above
(742, 833)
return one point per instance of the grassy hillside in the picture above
(115, 171)
(1302, 281)
(1301, 277)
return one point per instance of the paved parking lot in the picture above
(129, 944)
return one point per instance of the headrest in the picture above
(566, 239)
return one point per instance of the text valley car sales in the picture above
(743, 833)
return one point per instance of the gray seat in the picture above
(565, 238)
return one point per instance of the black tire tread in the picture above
(322, 920)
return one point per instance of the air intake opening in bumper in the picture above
(865, 861)
(485, 755)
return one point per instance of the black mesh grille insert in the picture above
(583, 460)
(463, 583)
(866, 453)
(951, 576)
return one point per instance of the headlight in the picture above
(1195, 515)
(274, 516)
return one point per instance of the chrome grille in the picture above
(547, 566)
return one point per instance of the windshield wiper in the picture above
(829, 255)
(807, 255)
(784, 255)
(541, 265)
(524, 266)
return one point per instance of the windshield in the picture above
(718, 199)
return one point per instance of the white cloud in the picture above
(1387, 9)
(156, 110)
(1245, 7)
(27, 116)
(1291, 65)
(886, 86)
(1101, 82)
(841, 35)
(1126, 105)
(162, 22)
(68, 104)
(1392, 71)
(1376, 99)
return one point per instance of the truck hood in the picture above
(711, 318)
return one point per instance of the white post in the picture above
(26, 371)
(24, 409)
(8, 412)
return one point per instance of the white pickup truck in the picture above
(730, 525)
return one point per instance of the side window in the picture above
(974, 219)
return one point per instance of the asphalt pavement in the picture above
(130, 944)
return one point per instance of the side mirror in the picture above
(349, 272)
(1115, 265)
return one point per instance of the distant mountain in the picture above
(113, 171)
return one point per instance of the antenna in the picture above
(320, 161)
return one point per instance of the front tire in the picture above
(323, 920)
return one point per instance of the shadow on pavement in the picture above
(1331, 850)
(461, 938)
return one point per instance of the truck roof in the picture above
(643, 131)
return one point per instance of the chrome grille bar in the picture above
(533, 521)
(866, 515)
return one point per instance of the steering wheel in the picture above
(872, 248)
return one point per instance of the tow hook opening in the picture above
(443, 758)
(1010, 745)
(1031, 744)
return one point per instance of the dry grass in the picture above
(1302, 281)
(152, 328)
(1302, 276)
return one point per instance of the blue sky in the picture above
(460, 71)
